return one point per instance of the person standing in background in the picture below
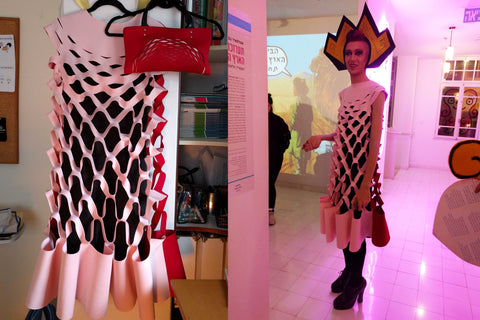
(278, 142)
(346, 214)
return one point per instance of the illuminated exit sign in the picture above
(471, 15)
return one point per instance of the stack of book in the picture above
(212, 9)
(203, 116)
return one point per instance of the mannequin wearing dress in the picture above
(105, 124)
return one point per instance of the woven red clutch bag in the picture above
(380, 232)
(167, 49)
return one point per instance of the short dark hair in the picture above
(357, 35)
(270, 100)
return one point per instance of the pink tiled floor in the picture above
(414, 277)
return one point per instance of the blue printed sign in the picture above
(471, 15)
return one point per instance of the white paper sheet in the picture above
(7, 63)
(457, 221)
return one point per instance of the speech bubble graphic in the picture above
(277, 61)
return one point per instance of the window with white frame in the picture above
(460, 99)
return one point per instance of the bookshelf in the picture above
(203, 85)
(216, 10)
(194, 150)
(210, 256)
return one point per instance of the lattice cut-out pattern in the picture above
(352, 140)
(338, 220)
(103, 159)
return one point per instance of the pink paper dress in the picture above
(105, 125)
(349, 157)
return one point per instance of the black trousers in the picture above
(274, 167)
(354, 262)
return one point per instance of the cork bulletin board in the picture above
(9, 66)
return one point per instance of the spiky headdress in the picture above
(381, 43)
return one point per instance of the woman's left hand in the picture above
(361, 198)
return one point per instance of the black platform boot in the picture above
(341, 283)
(347, 299)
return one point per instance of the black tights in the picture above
(354, 263)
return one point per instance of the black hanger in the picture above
(114, 3)
(182, 8)
(127, 14)
(165, 4)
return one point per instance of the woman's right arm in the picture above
(314, 141)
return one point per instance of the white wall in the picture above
(23, 185)
(404, 109)
(426, 150)
(417, 100)
(248, 210)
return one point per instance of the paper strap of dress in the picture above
(170, 249)
(159, 177)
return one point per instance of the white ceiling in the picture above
(422, 26)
